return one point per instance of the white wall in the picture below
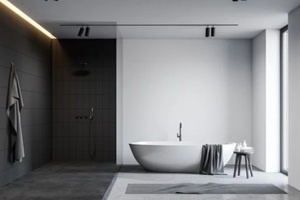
(205, 84)
(294, 98)
(266, 100)
(259, 100)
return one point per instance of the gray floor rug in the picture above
(209, 188)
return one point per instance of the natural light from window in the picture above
(285, 128)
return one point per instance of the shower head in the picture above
(82, 71)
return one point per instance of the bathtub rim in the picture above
(172, 143)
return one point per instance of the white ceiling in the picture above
(253, 16)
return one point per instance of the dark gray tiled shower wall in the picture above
(75, 96)
(30, 51)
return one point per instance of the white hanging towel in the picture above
(14, 107)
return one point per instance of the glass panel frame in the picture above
(284, 130)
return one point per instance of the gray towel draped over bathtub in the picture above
(212, 160)
(14, 107)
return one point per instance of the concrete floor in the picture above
(137, 175)
(93, 180)
(62, 181)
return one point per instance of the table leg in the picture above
(250, 165)
(235, 166)
(240, 159)
(246, 163)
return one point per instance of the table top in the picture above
(244, 152)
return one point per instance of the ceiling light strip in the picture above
(27, 18)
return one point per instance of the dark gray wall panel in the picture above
(74, 96)
(30, 51)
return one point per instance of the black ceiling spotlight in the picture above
(87, 31)
(81, 30)
(207, 32)
(212, 31)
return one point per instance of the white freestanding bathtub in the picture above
(167, 156)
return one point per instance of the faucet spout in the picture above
(179, 134)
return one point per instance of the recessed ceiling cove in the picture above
(252, 16)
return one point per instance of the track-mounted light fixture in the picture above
(87, 31)
(207, 31)
(210, 30)
(81, 30)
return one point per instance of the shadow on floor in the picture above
(62, 181)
